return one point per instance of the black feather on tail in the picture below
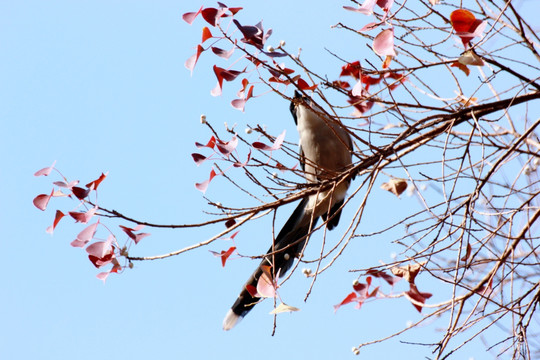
(289, 243)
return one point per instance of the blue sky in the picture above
(101, 86)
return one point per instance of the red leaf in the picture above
(381, 274)
(94, 184)
(385, 4)
(224, 255)
(212, 15)
(45, 171)
(198, 158)
(462, 20)
(360, 104)
(351, 69)
(417, 296)
(189, 17)
(83, 217)
(305, 86)
(230, 223)
(206, 34)
(341, 84)
(192, 61)
(349, 299)
(223, 74)
(253, 35)
(211, 143)
(204, 185)
(232, 236)
(383, 44)
(131, 233)
(42, 200)
(252, 290)
(59, 215)
(461, 67)
(79, 192)
(85, 236)
(466, 25)
(277, 143)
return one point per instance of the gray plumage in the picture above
(325, 152)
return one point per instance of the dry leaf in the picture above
(282, 307)
(395, 186)
(408, 272)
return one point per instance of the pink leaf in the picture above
(222, 53)
(85, 236)
(83, 217)
(266, 286)
(233, 235)
(226, 148)
(59, 215)
(383, 44)
(366, 8)
(192, 61)
(277, 143)
(101, 248)
(204, 185)
(358, 90)
(239, 164)
(131, 233)
(189, 17)
(45, 171)
(63, 184)
(369, 27)
(42, 200)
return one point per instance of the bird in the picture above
(325, 151)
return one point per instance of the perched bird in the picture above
(325, 152)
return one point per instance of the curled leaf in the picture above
(45, 171)
(275, 146)
(282, 307)
(383, 44)
(395, 186)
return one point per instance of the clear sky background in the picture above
(101, 86)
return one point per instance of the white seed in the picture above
(270, 48)
(248, 130)
(355, 350)
(286, 257)
(203, 119)
(282, 43)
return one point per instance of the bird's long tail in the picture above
(288, 244)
